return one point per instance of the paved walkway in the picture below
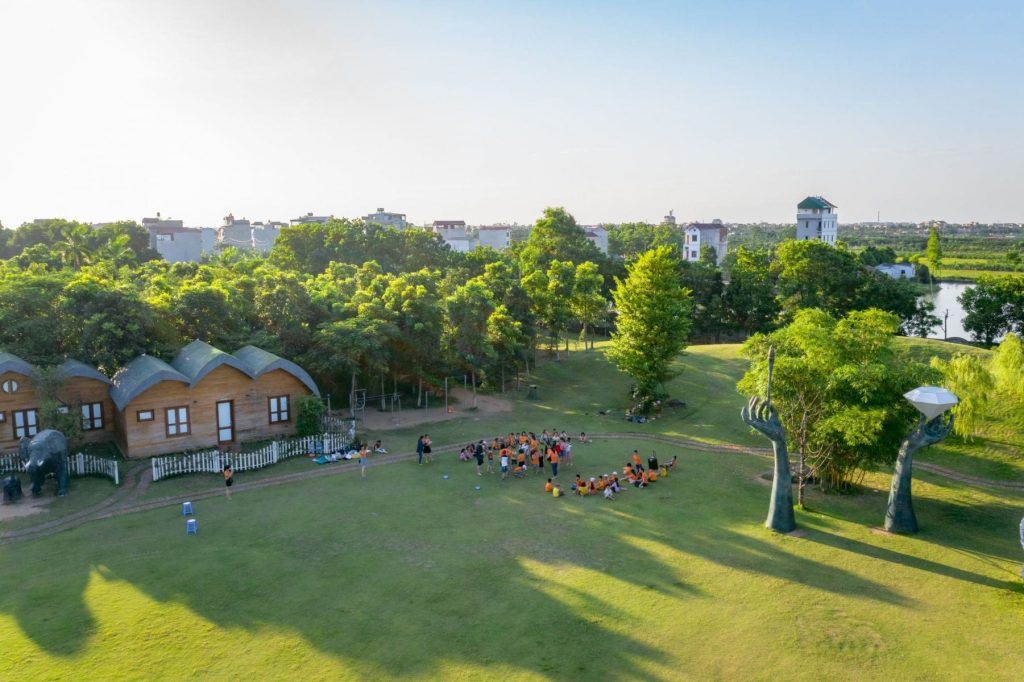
(128, 498)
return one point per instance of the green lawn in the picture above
(408, 575)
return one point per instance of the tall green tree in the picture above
(968, 377)
(652, 324)
(556, 236)
(1008, 367)
(749, 299)
(466, 337)
(550, 294)
(588, 303)
(933, 252)
(838, 387)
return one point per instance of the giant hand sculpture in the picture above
(899, 516)
(764, 418)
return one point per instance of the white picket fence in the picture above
(213, 461)
(79, 464)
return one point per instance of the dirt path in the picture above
(460, 408)
(126, 500)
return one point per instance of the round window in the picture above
(10, 386)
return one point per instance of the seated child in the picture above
(519, 471)
(548, 487)
(608, 494)
(557, 492)
(652, 476)
(379, 448)
(592, 486)
(672, 464)
(583, 437)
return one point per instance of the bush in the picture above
(310, 412)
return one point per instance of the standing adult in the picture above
(553, 459)
(419, 450)
(426, 447)
(363, 456)
(229, 480)
(479, 454)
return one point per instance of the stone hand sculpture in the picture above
(899, 515)
(764, 418)
(48, 454)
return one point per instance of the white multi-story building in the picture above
(714, 235)
(816, 218)
(265, 234)
(453, 232)
(598, 236)
(498, 237)
(382, 217)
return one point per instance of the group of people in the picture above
(609, 485)
(520, 454)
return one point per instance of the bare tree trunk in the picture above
(352, 396)
(474, 388)
(502, 378)
(383, 406)
(801, 475)
(419, 393)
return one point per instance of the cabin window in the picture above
(279, 409)
(3, 417)
(177, 421)
(144, 415)
(10, 386)
(26, 423)
(92, 416)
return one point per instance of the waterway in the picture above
(945, 299)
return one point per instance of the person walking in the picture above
(229, 480)
(363, 456)
(426, 447)
(419, 450)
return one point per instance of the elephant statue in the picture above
(47, 454)
(12, 489)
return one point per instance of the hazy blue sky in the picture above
(490, 111)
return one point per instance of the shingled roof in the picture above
(260, 362)
(816, 202)
(9, 362)
(140, 374)
(199, 358)
(70, 369)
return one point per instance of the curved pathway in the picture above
(128, 498)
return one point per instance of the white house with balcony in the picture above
(816, 218)
(382, 217)
(598, 236)
(697, 235)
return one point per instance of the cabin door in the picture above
(225, 421)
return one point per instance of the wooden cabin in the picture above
(83, 390)
(205, 398)
(19, 405)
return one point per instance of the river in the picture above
(944, 299)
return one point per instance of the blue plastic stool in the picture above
(186, 509)
(191, 527)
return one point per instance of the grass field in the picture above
(405, 574)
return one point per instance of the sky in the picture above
(488, 112)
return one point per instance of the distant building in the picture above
(713, 234)
(438, 225)
(898, 270)
(381, 217)
(498, 237)
(670, 219)
(598, 236)
(310, 218)
(235, 232)
(177, 245)
(816, 218)
(264, 235)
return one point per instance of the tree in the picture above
(838, 387)
(994, 306)
(551, 293)
(708, 315)
(556, 236)
(653, 321)
(465, 334)
(970, 381)
(1008, 367)
(588, 303)
(921, 322)
(933, 252)
(874, 255)
(749, 299)
(812, 274)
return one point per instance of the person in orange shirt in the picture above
(592, 486)
(553, 459)
(578, 483)
(652, 476)
(535, 460)
(548, 487)
(229, 480)
(627, 470)
(521, 459)
(636, 460)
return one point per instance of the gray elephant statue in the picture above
(47, 454)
